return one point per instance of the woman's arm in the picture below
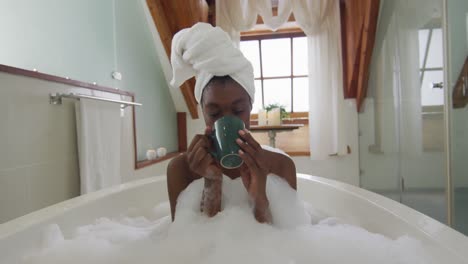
(196, 163)
(178, 178)
(258, 164)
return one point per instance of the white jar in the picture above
(151, 154)
(161, 152)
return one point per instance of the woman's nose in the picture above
(227, 112)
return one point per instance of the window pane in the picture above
(429, 95)
(258, 97)
(423, 34)
(278, 91)
(300, 56)
(301, 94)
(276, 57)
(252, 53)
(435, 57)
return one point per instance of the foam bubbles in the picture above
(300, 234)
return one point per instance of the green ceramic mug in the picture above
(224, 135)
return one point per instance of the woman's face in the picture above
(225, 97)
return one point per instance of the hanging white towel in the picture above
(98, 130)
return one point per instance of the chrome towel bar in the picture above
(56, 98)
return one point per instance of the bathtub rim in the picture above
(444, 236)
(42, 215)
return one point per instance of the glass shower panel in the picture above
(379, 146)
(422, 152)
(457, 16)
(401, 155)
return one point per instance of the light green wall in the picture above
(142, 73)
(61, 37)
(87, 40)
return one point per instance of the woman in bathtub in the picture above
(224, 86)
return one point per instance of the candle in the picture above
(274, 117)
(262, 117)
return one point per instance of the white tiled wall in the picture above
(38, 152)
(38, 160)
(342, 168)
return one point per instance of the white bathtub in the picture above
(357, 206)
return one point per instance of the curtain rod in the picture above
(56, 98)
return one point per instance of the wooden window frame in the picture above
(290, 33)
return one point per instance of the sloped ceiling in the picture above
(358, 21)
(170, 16)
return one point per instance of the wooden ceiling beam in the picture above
(358, 31)
(169, 18)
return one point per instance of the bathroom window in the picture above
(280, 70)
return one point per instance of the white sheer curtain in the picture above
(320, 21)
(235, 16)
(407, 71)
(396, 80)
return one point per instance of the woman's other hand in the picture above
(200, 161)
(202, 164)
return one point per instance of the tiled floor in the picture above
(461, 210)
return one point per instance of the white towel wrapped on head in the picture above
(205, 51)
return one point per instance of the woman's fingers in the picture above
(255, 179)
(246, 147)
(194, 142)
(206, 161)
(250, 162)
(202, 142)
(254, 149)
(249, 146)
(192, 153)
(247, 137)
(207, 164)
(197, 156)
